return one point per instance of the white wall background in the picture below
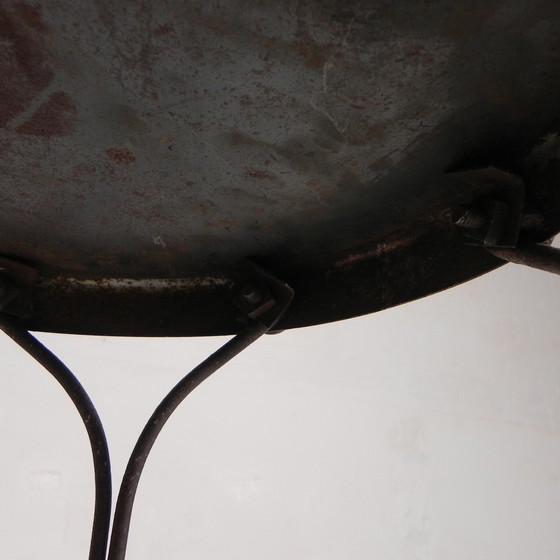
(428, 431)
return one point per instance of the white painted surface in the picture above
(429, 431)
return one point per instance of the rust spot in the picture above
(55, 117)
(313, 55)
(23, 69)
(217, 25)
(246, 101)
(164, 29)
(123, 155)
(197, 55)
(391, 243)
(264, 70)
(259, 174)
(31, 15)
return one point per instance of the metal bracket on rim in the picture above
(265, 300)
(494, 215)
(496, 219)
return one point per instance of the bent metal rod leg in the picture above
(129, 485)
(92, 423)
(534, 255)
(264, 306)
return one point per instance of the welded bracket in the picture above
(494, 214)
(266, 299)
(496, 218)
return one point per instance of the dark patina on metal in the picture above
(148, 149)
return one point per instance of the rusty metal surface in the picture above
(149, 148)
